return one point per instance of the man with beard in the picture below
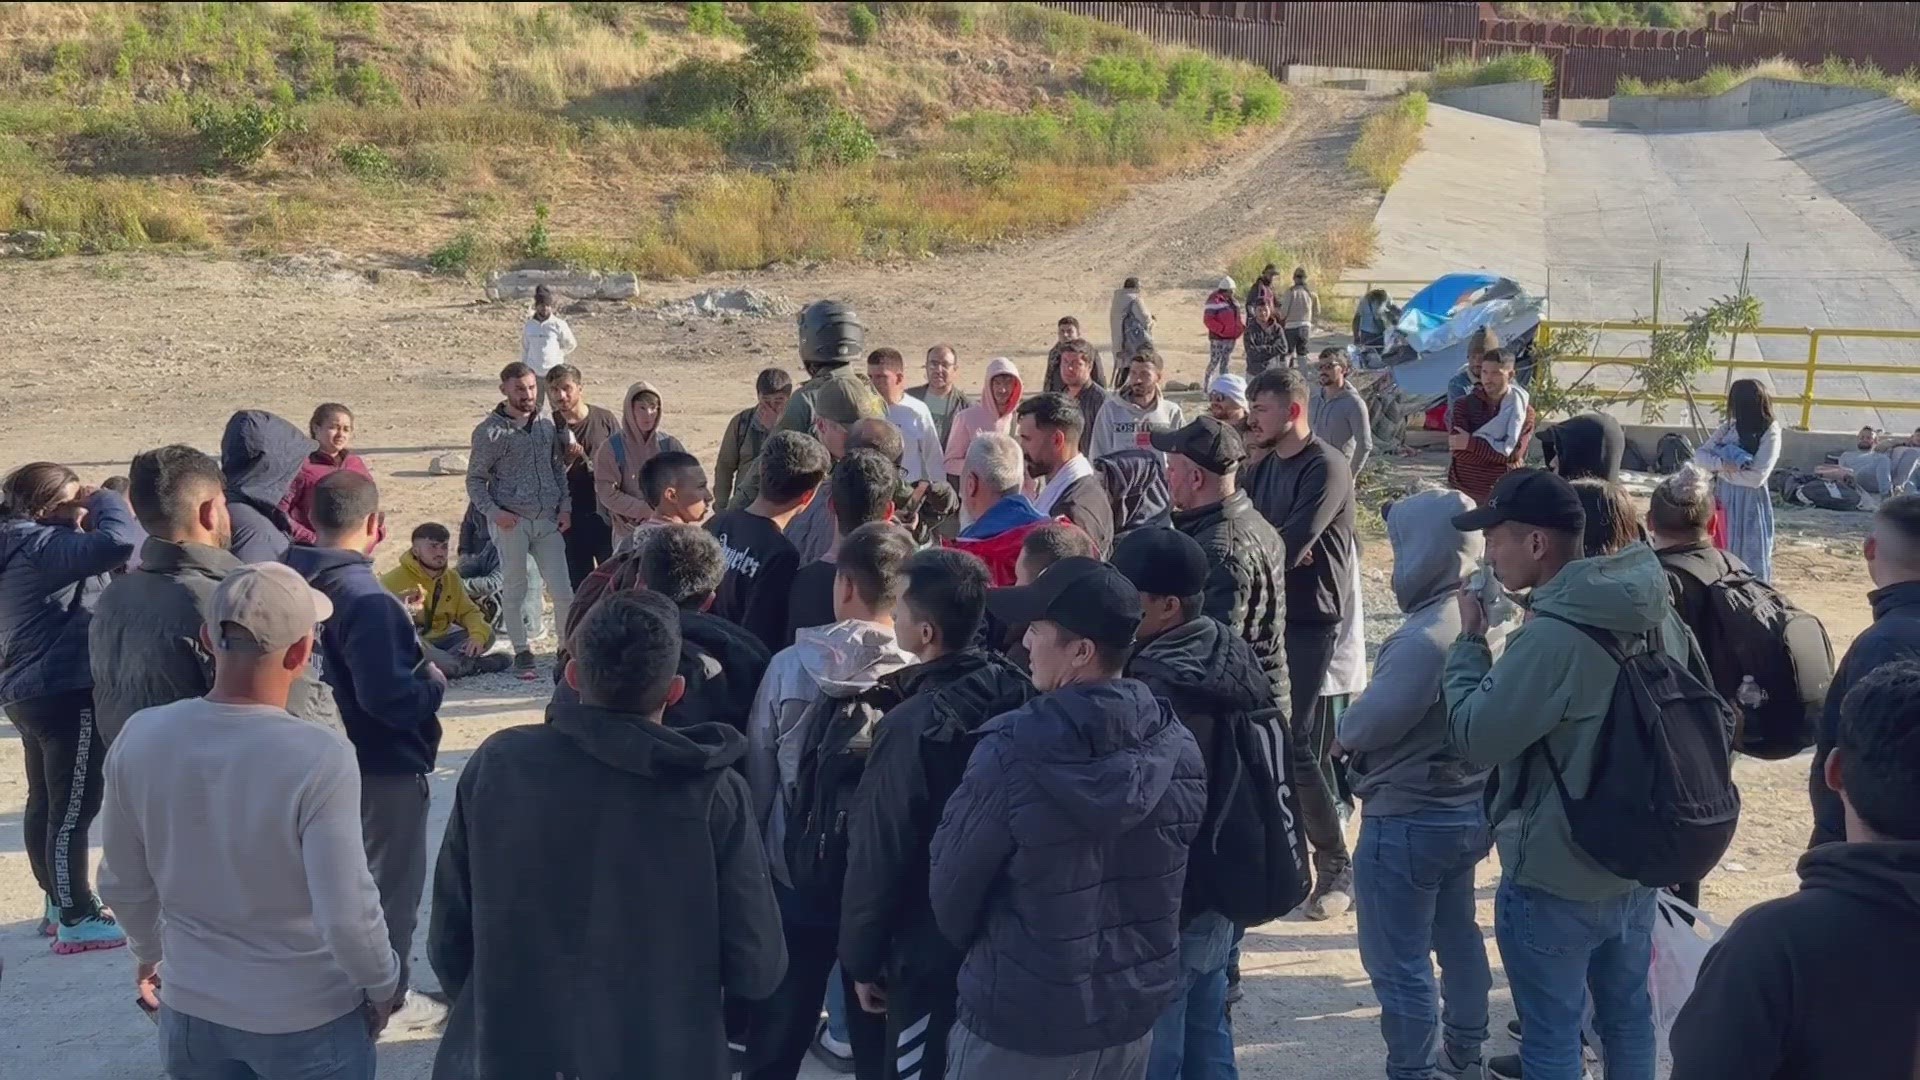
(143, 639)
(1337, 413)
(1049, 429)
(452, 629)
(1136, 411)
(1080, 381)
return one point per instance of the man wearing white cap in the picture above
(1227, 401)
(234, 857)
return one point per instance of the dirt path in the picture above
(111, 355)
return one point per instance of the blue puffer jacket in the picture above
(1058, 867)
(50, 577)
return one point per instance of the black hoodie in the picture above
(1818, 985)
(601, 885)
(260, 454)
(1588, 445)
(920, 751)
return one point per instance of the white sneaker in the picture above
(417, 1015)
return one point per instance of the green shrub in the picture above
(364, 17)
(1126, 77)
(839, 139)
(456, 256)
(364, 84)
(1507, 67)
(1388, 139)
(365, 161)
(539, 243)
(782, 45)
(862, 23)
(711, 20)
(238, 135)
(1263, 102)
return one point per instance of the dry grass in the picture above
(1388, 139)
(1833, 72)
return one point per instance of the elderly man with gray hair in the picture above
(996, 512)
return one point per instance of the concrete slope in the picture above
(1868, 157)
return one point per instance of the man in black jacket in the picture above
(889, 943)
(1820, 984)
(1246, 561)
(721, 662)
(1893, 562)
(1211, 678)
(532, 815)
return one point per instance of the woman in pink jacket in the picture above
(993, 412)
(332, 428)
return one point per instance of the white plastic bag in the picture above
(1679, 948)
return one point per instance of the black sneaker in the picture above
(523, 666)
(1513, 1028)
(1504, 1067)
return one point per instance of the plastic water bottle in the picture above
(1750, 696)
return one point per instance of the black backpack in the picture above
(1672, 451)
(1662, 806)
(1755, 632)
(833, 758)
(1252, 852)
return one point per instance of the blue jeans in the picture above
(836, 1006)
(196, 1049)
(1413, 896)
(1193, 1039)
(1556, 951)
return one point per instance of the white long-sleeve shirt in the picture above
(545, 345)
(234, 859)
(1754, 474)
(926, 456)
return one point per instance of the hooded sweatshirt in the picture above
(1552, 687)
(1059, 864)
(260, 454)
(1816, 985)
(617, 483)
(617, 821)
(1132, 327)
(837, 661)
(51, 576)
(982, 415)
(1588, 445)
(1399, 760)
(1124, 425)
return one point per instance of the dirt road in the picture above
(115, 354)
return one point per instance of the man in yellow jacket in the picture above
(452, 628)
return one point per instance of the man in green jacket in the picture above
(1564, 924)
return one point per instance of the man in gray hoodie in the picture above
(1422, 829)
(517, 477)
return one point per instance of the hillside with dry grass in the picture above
(670, 139)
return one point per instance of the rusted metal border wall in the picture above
(1364, 34)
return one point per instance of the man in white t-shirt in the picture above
(546, 339)
(234, 858)
(925, 458)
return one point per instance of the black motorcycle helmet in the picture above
(830, 335)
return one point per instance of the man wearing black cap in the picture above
(1246, 559)
(1060, 859)
(1216, 686)
(1564, 924)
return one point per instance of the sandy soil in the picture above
(113, 355)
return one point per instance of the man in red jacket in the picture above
(997, 515)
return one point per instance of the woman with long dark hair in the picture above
(1741, 455)
(59, 544)
(331, 429)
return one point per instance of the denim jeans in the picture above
(1193, 1039)
(533, 541)
(196, 1049)
(1556, 951)
(1413, 896)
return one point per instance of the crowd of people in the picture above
(943, 735)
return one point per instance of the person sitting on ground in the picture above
(674, 486)
(1904, 455)
(143, 642)
(760, 560)
(1137, 411)
(530, 814)
(1488, 430)
(1534, 523)
(890, 945)
(1058, 864)
(453, 630)
(1070, 339)
(1050, 430)
(1227, 402)
(1423, 831)
(826, 677)
(479, 564)
(1339, 413)
(998, 515)
(234, 855)
(748, 430)
(1819, 983)
(994, 412)
(260, 454)
(1865, 467)
(859, 492)
(332, 428)
(617, 464)
(389, 695)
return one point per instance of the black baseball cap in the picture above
(1208, 442)
(1162, 562)
(1085, 596)
(1531, 497)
